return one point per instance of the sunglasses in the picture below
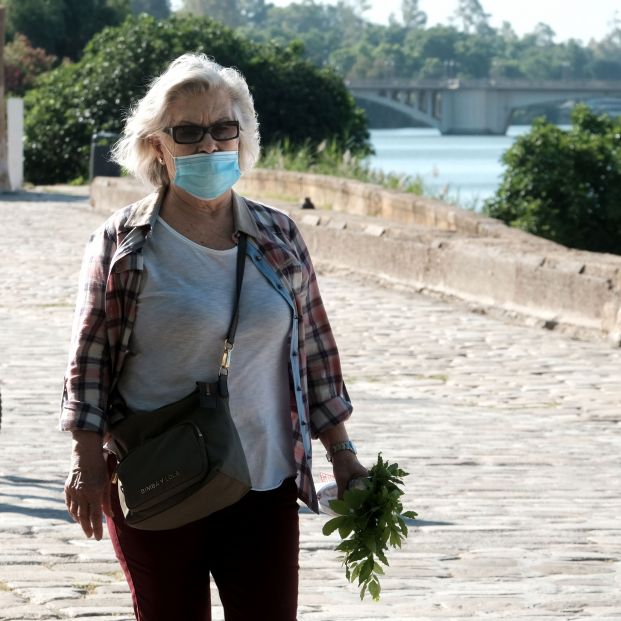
(192, 134)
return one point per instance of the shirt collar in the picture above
(147, 209)
(244, 222)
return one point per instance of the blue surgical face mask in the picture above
(207, 175)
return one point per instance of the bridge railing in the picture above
(613, 86)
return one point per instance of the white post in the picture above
(4, 172)
(15, 141)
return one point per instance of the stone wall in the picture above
(427, 245)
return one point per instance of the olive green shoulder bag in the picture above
(185, 460)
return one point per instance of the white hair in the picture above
(187, 75)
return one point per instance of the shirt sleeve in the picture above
(328, 401)
(87, 378)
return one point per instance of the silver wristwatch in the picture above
(346, 445)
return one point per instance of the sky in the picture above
(577, 19)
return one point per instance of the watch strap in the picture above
(345, 445)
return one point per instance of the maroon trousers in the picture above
(251, 550)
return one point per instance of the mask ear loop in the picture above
(173, 159)
(169, 151)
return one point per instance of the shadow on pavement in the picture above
(18, 500)
(43, 513)
(422, 523)
(43, 196)
(28, 482)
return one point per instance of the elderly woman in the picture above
(154, 303)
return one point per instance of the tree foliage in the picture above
(232, 13)
(413, 17)
(469, 47)
(22, 64)
(472, 17)
(294, 99)
(565, 185)
(160, 9)
(62, 27)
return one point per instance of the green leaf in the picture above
(340, 507)
(355, 497)
(410, 514)
(363, 591)
(375, 589)
(395, 538)
(347, 545)
(357, 555)
(330, 526)
(382, 557)
(369, 541)
(366, 570)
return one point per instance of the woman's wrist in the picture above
(86, 440)
(335, 449)
(332, 435)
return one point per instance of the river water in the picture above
(466, 169)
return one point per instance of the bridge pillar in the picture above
(474, 111)
(423, 99)
(436, 104)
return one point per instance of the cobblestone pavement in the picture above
(511, 434)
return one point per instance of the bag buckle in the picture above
(226, 358)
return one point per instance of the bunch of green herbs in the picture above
(370, 520)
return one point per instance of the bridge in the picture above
(456, 106)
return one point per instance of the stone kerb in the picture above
(450, 252)
(360, 198)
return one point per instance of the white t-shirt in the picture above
(184, 311)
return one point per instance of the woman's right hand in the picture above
(87, 488)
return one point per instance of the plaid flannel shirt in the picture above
(109, 286)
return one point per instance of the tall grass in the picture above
(329, 159)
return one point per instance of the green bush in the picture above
(294, 100)
(565, 185)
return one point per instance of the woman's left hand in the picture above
(346, 467)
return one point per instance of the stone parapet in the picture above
(427, 245)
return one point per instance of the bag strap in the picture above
(239, 279)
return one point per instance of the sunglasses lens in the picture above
(187, 134)
(191, 134)
(225, 131)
